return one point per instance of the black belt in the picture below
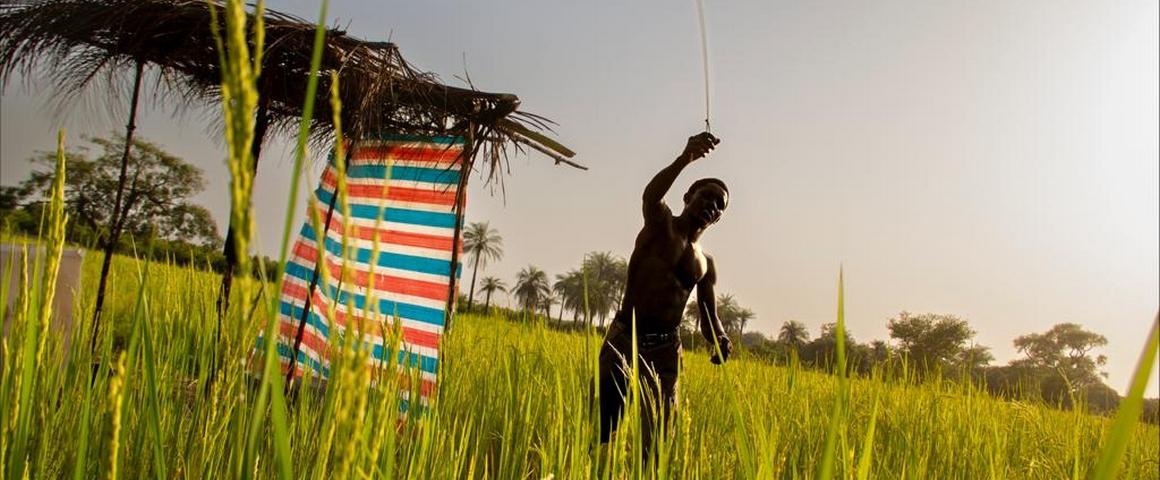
(657, 338)
(651, 339)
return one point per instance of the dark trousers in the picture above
(658, 364)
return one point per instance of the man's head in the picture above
(705, 201)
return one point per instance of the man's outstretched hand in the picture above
(699, 145)
(726, 347)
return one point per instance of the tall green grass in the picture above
(512, 403)
(163, 398)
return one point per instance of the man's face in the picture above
(706, 205)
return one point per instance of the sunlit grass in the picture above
(513, 403)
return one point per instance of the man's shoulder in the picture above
(661, 224)
(657, 212)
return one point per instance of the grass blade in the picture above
(153, 416)
(868, 444)
(837, 416)
(1128, 416)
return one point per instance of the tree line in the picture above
(160, 222)
(1059, 367)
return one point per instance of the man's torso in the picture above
(663, 270)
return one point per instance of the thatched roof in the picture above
(82, 40)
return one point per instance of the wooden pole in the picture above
(117, 220)
(460, 197)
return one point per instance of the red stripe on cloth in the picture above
(310, 340)
(410, 153)
(392, 237)
(411, 336)
(429, 196)
(389, 283)
(409, 239)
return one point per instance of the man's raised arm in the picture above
(654, 193)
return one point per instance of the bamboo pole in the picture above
(117, 221)
(460, 199)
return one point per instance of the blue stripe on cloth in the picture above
(397, 215)
(399, 261)
(425, 363)
(285, 351)
(407, 311)
(412, 174)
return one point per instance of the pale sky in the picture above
(995, 160)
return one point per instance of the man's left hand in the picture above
(726, 347)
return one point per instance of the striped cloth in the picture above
(412, 214)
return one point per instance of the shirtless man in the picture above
(666, 264)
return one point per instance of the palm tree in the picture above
(548, 301)
(491, 285)
(531, 287)
(617, 280)
(606, 275)
(570, 288)
(744, 315)
(794, 334)
(482, 244)
(727, 309)
(733, 317)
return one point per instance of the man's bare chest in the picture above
(683, 260)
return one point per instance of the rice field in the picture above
(165, 394)
(512, 403)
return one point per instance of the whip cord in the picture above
(704, 57)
